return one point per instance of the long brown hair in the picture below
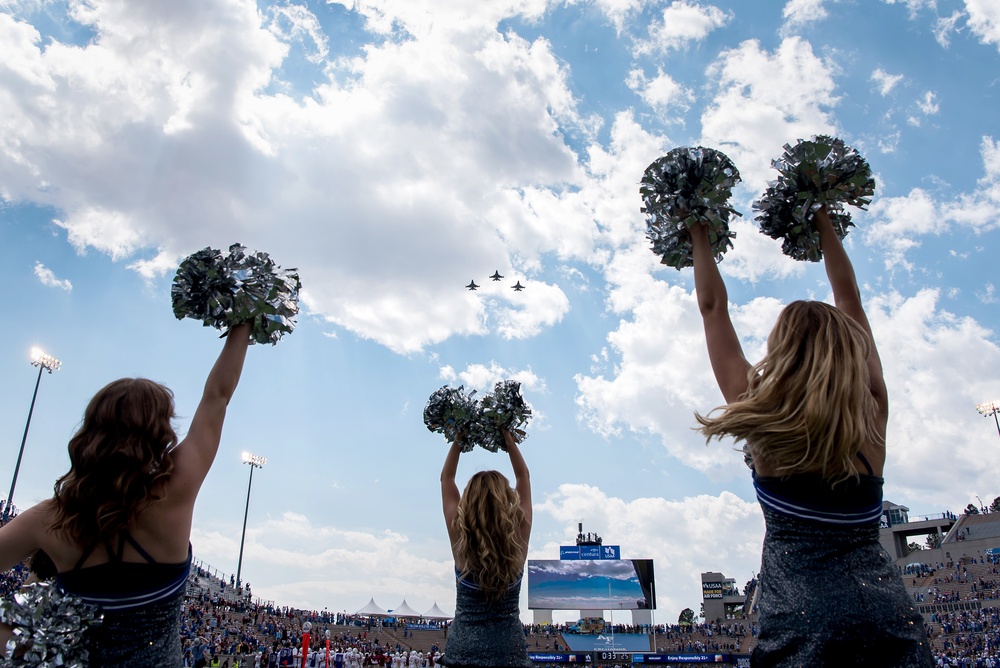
(487, 526)
(119, 459)
(808, 406)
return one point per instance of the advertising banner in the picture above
(711, 590)
(683, 658)
(549, 657)
(589, 552)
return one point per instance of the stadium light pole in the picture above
(44, 363)
(255, 462)
(990, 408)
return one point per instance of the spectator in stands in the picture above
(813, 416)
(488, 525)
(119, 524)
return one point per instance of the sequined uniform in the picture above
(486, 633)
(141, 604)
(830, 595)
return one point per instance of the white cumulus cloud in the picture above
(395, 178)
(681, 24)
(984, 20)
(49, 280)
(661, 92)
(885, 81)
(798, 13)
(765, 100)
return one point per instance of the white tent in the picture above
(403, 610)
(372, 610)
(437, 613)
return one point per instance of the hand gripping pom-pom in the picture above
(226, 290)
(685, 187)
(813, 173)
(50, 627)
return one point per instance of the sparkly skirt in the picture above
(831, 596)
(486, 633)
(145, 637)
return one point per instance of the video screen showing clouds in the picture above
(625, 584)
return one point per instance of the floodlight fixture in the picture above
(990, 408)
(255, 462)
(44, 362)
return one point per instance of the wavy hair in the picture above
(119, 459)
(488, 538)
(808, 406)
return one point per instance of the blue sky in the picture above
(394, 150)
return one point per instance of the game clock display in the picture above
(610, 655)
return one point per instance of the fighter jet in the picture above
(472, 285)
(496, 276)
(518, 287)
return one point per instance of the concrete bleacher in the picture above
(956, 586)
(975, 527)
(982, 603)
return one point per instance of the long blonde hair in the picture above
(487, 529)
(808, 405)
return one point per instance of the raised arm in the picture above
(195, 454)
(839, 270)
(522, 479)
(724, 350)
(847, 296)
(450, 496)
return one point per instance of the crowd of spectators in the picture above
(975, 579)
(708, 637)
(223, 626)
(969, 638)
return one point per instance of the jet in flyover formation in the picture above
(496, 276)
(472, 285)
(517, 286)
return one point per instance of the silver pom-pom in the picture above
(452, 412)
(685, 187)
(816, 172)
(506, 409)
(49, 627)
(226, 290)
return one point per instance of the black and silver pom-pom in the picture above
(49, 627)
(504, 408)
(816, 172)
(685, 187)
(452, 412)
(226, 290)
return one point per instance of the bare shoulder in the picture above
(28, 532)
(40, 517)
